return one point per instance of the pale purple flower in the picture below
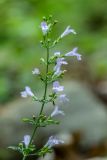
(63, 98)
(67, 31)
(58, 71)
(36, 71)
(26, 140)
(74, 53)
(57, 54)
(27, 92)
(44, 27)
(57, 87)
(59, 63)
(53, 141)
(57, 111)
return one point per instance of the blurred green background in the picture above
(20, 49)
(20, 34)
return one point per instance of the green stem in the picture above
(44, 97)
(46, 84)
(24, 157)
(43, 103)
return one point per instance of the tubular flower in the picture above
(57, 87)
(53, 141)
(26, 140)
(74, 53)
(59, 63)
(27, 92)
(67, 31)
(44, 27)
(57, 111)
(63, 98)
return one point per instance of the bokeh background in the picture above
(20, 48)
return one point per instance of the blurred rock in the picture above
(72, 150)
(84, 113)
(100, 88)
(98, 158)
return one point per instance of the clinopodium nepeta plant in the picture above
(26, 147)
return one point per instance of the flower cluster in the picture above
(57, 93)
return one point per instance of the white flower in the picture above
(36, 71)
(67, 31)
(26, 140)
(74, 53)
(27, 92)
(63, 98)
(57, 54)
(57, 111)
(57, 87)
(53, 141)
(44, 27)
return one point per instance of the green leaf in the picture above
(43, 61)
(14, 148)
(31, 121)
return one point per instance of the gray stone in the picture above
(84, 112)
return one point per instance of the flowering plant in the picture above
(26, 147)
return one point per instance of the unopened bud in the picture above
(34, 117)
(44, 18)
(55, 21)
(49, 40)
(20, 145)
(50, 16)
(41, 42)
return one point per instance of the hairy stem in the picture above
(43, 103)
(44, 97)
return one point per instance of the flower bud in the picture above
(34, 117)
(50, 16)
(44, 18)
(55, 22)
(41, 42)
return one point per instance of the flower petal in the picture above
(53, 141)
(57, 111)
(67, 31)
(74, 53)
(27, 140)
(63, 98)
(27, 92)
(57, 87)
(36, 71)
(44, 27)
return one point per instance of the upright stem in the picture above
(24, 157)
(46, 84)
(44, 97)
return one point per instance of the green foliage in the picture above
(19, 33)
(43, 121)
(23, 150)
